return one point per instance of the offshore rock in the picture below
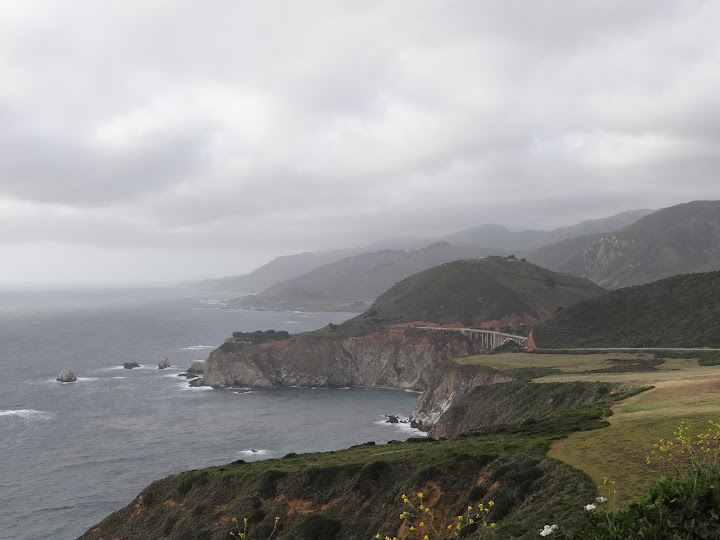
(195, 383)
(130, 365)
(164, 363)
(66, 375)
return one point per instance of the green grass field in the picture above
(684, 391)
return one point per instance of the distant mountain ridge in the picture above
(680, 239)
(279, 269)
(353, 283)
(497, 236)
(490, 236)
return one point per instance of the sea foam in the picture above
(253, 452)
(28, 414)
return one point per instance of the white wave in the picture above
(253, 452)
(289, 322)
(402, 426)
(28, 414)
(213, 301)
(243, 391)
(185, 386)
(119, 377)
(87, 379)
(198, 347)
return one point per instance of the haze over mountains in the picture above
(350, 279)
(351, 284)
(485, 236)
(676, 240)
(630, 248)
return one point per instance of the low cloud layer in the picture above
(217, 135)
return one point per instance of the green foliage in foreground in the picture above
(677, 508)
(684, 506)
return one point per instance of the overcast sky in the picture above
(163, 140)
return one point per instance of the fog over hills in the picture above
(492, 238)
(675, 240)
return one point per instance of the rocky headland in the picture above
(382, 348)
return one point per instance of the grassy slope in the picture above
(472, 292)
(684, 391)
(681, 311)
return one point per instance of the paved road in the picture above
(578, 349)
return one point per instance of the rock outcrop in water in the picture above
(164, 363)
(66, 375)
(130, 365)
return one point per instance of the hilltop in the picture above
(676, 240)
(493, 292)
(680, 311)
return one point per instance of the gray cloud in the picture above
(264, 128)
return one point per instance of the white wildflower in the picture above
(548, 530)
(602, 499)
(590, 507)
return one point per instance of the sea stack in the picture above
(66, 375)
(130, 365)
(164, 363)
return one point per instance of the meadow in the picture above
(683, 390)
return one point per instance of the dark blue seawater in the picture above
(72, 453)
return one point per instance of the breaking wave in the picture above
(28, 414)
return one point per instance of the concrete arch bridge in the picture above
(489, 339)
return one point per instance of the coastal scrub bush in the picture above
(318, 527)
(420, 519)
(242, 534)
(268, 485)
(683, 506)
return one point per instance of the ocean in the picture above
(73, 453)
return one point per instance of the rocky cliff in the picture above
(406, 358)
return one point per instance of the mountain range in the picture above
(676, 240)
(495, 239)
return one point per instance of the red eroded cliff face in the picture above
(393, 357)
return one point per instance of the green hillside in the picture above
(493, 292)
(681, 311)
(680, 239)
